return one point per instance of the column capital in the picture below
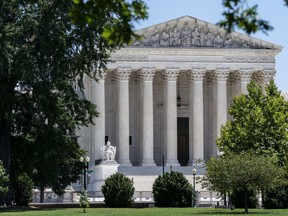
(196, 74)
(122, 73)
(170, 74)
(221, 74)
(146, 74)
(265, 75)
(100, 75)
(268, 74)
(245, 74)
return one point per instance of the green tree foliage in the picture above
(3, 179)
(84, 201)
(172, 190)
(22, 190)
(259, 124)
(238, 13)
(276, 198)
(118, 191)
(119, 14)
(244, 172)
(46, 51)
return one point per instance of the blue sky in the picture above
(211, 11)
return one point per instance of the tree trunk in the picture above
(246, 201)
(225, 199)
(41, 194)
(5, 152)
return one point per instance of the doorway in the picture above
(183, 140)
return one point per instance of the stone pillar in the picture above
(244, 76)
(122, 115)
(220, 116)
(98, 98)
(146, 76)
(170, 116)
(196, 120)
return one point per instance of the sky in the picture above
(273, 11)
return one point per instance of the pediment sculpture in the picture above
(189, 32)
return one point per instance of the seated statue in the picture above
(108, 152)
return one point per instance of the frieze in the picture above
(190, 32)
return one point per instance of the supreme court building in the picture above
(185, 58)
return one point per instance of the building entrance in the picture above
(183, 140)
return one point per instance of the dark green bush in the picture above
(276, 198)
(118, 191)
(237, 198)
(172, 190)
(22, 190)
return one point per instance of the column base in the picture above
(172, 163)
(124, 162)
(148, 163)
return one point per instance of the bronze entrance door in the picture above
(183, 140)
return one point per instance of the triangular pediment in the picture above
(188, 31)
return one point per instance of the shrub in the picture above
(172, 190)
(237, 198)
(118, 191)
(22, 189)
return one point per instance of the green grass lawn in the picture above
(139, 212)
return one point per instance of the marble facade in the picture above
(136, 95)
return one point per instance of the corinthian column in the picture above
(170, 116)
(98, 98)
(122, 115)
(196, 125)
(244, 76)
(146, 76)
(220, 117)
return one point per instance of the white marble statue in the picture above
(108, 152)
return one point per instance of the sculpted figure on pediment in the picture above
(154, 41)
(208, 39)
(218, 41)
(175, 37)
(196, 37)
(186, 36)
(164, 41)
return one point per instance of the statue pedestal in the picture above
(100, 173)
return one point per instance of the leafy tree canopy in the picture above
(259, 124)
(47, 49)
(244, 171)
(238, 13)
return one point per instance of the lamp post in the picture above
(194, 171)
(85, 161)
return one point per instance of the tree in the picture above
(259, 124)
(237, 13)
(45, 53)
(172, 190)
(118, 191)
(245, 172)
